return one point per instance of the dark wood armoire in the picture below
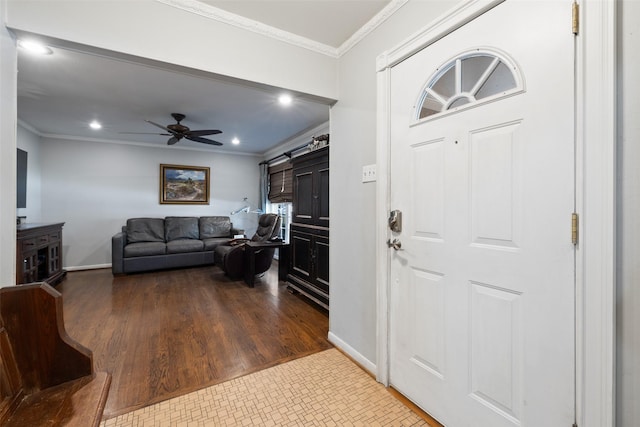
(309, 234)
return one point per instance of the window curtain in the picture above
(281, 183)
(264, 187)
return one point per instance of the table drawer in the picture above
(29, 244)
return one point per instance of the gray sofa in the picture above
(146, 244)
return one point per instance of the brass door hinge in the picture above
(575, 18)
(574, 228)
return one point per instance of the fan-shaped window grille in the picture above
(468, 79)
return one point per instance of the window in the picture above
(284, 210)
(280, 183)
(280, 196)
(468, 79)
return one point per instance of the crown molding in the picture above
(289, 143)
(208, 11)
(30, 128)
(211, 12)
(139, 144)
(386, 13)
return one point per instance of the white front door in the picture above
(482, 288)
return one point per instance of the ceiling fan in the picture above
(177, 131)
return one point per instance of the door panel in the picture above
(495, 187)
(428, 169)
(303, 196)
(496, 345)
(482, 292)
(301, 253)
(322, 193)
(321, 262)
(428, 310)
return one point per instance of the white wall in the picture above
(30, 142)
(94, 187)
(628, 235)
(353, 204)
(8, 64)
(150, 29)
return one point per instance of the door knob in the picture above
(395, 244)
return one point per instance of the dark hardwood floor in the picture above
(164, 334)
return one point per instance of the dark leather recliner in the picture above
(231, 257)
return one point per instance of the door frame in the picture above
(595, 139)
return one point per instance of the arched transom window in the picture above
(466, 80)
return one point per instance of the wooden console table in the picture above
(39, 253)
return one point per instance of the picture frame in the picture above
(184, 185)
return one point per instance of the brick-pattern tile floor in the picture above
(324, 389)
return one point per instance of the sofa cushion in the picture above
(181, 227)
(184, 245)
(215, 226)
(145, 230)
(144, 249)
(212, 243)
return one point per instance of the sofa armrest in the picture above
(118, 242)
(236, 231)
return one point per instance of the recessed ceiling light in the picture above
(285, 100)
(235, 141)
(35, 47)
(95, 125)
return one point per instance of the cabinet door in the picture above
(29, 267)
(311, 190)
(303, 196)
(300, 254)
(53, 259)
(321, 262)
(321, 195)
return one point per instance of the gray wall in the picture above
(628, 235)
(94, 187)
(353, 145)
(30, 142)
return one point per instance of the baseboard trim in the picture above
(87, 267)
(358, 358)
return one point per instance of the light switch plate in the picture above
(369, 173)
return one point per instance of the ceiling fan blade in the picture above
(203, 140)
(173, 140)
(203, 132)
(162, 127)
(143, 133)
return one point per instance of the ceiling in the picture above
(59, 94)
(329, 22)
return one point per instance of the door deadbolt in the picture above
(395, 221)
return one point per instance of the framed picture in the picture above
(185, 185)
